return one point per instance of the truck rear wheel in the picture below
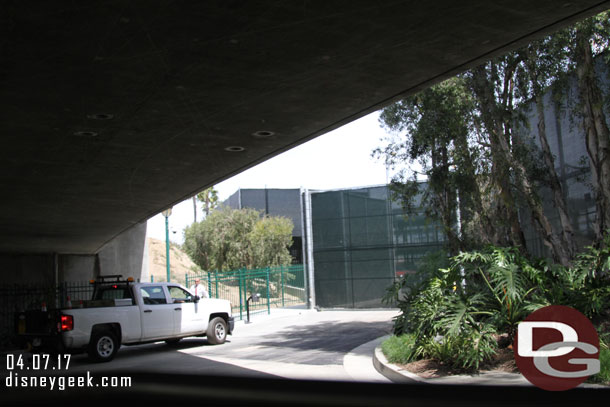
(217, 331)
(103, 346)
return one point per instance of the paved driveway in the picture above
(288, 343)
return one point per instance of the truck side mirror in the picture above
(195, 298)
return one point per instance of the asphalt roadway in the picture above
(331, 351)
(289, 343)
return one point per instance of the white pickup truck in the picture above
(128, 313)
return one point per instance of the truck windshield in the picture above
(112, 292)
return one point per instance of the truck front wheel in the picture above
(103, 346)
(217, 331)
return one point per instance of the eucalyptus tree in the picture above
(545, 61)
(432, 129)
(590, 38)
(492, 85)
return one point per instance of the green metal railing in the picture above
(28, 296)
(280, 286)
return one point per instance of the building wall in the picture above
(22, 268)
(362, 242)
(275, 202)
(126, 255)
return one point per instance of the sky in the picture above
(338, 159)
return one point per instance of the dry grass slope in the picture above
(179, 262)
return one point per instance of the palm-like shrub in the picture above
(455, 312)
(506, 282)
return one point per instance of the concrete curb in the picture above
(398, 375)
(392, 371)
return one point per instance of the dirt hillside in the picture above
(179, 262)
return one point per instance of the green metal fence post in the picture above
(268, 304)
(186, 280)
(152, 278)
(241, 303)
(240, 295)
(282, 282)
(216, 284)
(209, 284)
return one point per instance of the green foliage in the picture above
(438, 123)
(402, 291)
(454, 312)
(399, 349)
(465, 351)
(471, 140)
(584, 286)
(604, 360)
(209, 198)
(270, 237)
(230, 239)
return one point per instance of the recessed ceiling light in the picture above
(85, 133)
(234, 149)
(263, 133)
(100, 116)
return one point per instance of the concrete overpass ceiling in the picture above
(113, 110)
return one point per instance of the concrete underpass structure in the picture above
(112, 112)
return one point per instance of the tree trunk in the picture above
(195, 209)
(470, 201)
(597, 134)
(567, 232)
(500, 166)
(542, 223)
(445, 197)
(500, 129)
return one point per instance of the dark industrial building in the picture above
(355, 242)
(362, 241)
(275, 202)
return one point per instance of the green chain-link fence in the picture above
(280, 286)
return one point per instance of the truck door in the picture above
(188, 318)
(157, 313)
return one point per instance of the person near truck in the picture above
(199, 289)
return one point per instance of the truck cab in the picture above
(123, 312)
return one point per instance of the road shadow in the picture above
(330, 336)
(163, 359)
(156, 348)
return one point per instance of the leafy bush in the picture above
(604, 361)
(407, 288)
(584, 286)
(466, 350)
(399, 349)
(230, 239)
(454, 312)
